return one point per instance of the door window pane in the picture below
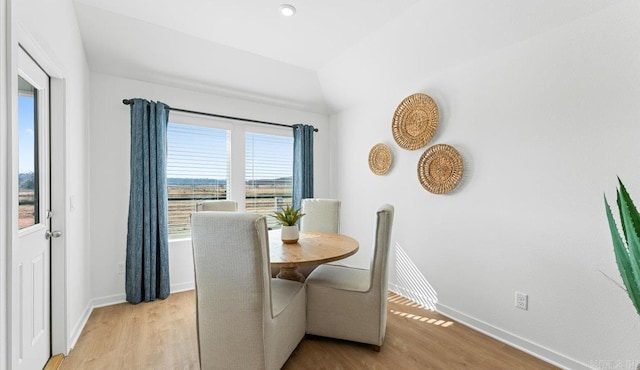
(197, 169)
(269, 173)
(28, 200)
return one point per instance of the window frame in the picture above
(236, 188)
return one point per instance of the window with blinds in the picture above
(268, 173)
(197, 169)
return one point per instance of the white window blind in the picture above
(268, 173)
(197, 169)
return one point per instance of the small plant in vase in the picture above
(288, 218)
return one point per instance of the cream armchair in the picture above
(246, 320)
(350, 303)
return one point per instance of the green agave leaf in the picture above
(619, 202)
(623, 194)
(632, 228)
(632, 225)
(633, 211)
(623, 261)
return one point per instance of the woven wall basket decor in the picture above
(415, 121)
(380, 158)
(440, 169)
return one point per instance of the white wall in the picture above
(109, 153)
(544, 126)
(53, 28)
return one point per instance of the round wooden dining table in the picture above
(313, 248)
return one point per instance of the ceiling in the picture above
(234, 38)
(319, 30)
(318, 60)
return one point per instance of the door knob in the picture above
(52, 234)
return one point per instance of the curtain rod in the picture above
(129, 102)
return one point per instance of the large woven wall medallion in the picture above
(440, 168)
(415, 121)
(380, 158)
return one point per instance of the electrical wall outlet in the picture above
(120, 268)
(522, 301)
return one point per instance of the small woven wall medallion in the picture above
(440, 169)
(380, 158)
(415, 121)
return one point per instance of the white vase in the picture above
(289, 234)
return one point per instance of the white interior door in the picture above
(31, 278)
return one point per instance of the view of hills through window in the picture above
(199, 168)
(268, 173)
(27, 150)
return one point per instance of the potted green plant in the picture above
(627, 248)
(288, 218)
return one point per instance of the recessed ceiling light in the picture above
(287, 10)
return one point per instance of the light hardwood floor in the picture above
(162, 335)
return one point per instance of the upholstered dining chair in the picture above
(245, 319)
(217, 205)
(320, 215)
(351, 303)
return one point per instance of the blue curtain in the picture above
(147, 269)
(302, 163)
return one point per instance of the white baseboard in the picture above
(108, 301)
(177, 288)
(77, 330)
(121, 298)
(513, 340)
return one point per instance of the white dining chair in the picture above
(221, 205)
(321, 215)
(351, 303)
(245, 319)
